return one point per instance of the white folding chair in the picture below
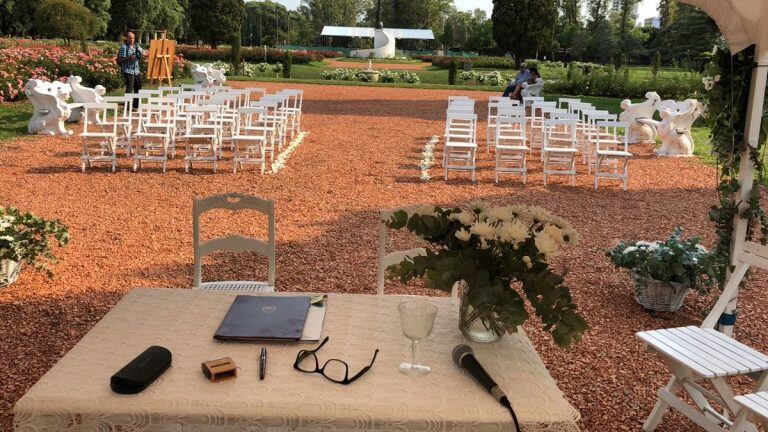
(155, 136)
(559, 148)
(250, 141)
(536, 119)
(564, 103)
(592, 133)
(460, 143)
(697, 354)
(234, 242)
(612, 152)
(202, 135)
(511, 148)
(385, 259)
(100, 142)
(124, 120)
(295, 103)
(494, 104)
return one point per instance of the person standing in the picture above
(128, 58)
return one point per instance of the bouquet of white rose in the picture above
(501, 254)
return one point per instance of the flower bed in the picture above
(23, 61)
(385, 76)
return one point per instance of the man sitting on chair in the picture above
(519, 79)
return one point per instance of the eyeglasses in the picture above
(334, 369)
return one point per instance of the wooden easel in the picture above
(161, 53)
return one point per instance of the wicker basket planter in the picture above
(659, 296)
(9, 272)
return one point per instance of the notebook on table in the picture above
(256, 318)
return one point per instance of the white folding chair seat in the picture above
(100, 142)
(612, 152)
(202, 136)
(696, 354)
(755, 408)
(511, 148)
(250, 142)
(559, 148)
(385, 259)
(233, 242)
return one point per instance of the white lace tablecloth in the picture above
(75, 395)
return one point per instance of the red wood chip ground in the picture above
(134, 230)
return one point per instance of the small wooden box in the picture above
(219, 370)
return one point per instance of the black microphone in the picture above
(464, 357)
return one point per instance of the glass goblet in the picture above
(416, 320)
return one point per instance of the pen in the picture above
(263, 363)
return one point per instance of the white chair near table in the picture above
(388, 259)
(233, 242)
(100, 142)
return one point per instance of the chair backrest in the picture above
(509, 128)
(565, 103)
(98, 115)
(538, 106)
(530, 100)
(207, 115)
(384, 259)
(612, 135)
(233, 242)
(125, 105)
(251, 122)
(560, 133)
(511, 111)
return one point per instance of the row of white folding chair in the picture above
(460, 136)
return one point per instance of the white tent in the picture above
(743, 23)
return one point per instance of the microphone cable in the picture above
(505, 402)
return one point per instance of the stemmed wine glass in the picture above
(416, 319)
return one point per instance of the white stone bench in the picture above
(636, 114)
(49, 110)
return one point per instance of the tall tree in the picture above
(216, 21)
(694, 33)
(598, 12)
(524, 27)
(144, 16)
(66, 19)
(571, 11)
(627, 18)
(667, 9)
(100, 9)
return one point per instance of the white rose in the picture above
(495, 214)
(484, 244)
(4, 225)
(573, 236)
(545, 244)
(483, 230)
(463, 235)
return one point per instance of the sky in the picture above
(647, 8)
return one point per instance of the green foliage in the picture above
(727, 102)
(693, 33)
(215, 21)
(287, 64)
(453, 68)
(477, 62)
(65, 19)
(656, 65)
(673, 260)
(524, 27)
(237, 59)
(144, 16)
(28, 239)
(502, 255)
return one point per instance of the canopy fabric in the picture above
(738, 20)
(368, 32)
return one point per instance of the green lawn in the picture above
(14, 118)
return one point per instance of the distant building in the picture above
(654, 22)
(615, 9)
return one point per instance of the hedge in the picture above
(477, 62)
(250, 54)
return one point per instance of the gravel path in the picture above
(134, 229)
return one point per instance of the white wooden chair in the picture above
(511, 148)
(559, 148)
(589, 140)
(504, 110)
(202, 135)
(273, 123)
(612, 152)
(460, 143)
(124, 120)
(387, 259)
(234, 242)
(100, 142)
(155, 136)
(250, 141)
(536, 119)
(293, 108)
(494, 103)
(696, 354)
(564, 103)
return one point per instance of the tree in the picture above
(598, 11)
(287, 64)
(694, 32)
(17, 16)
(65, 19)
(237, 59)
(144, 16)
(447, 38)
(216, 21)
(626, 18)
(571, 11)
(524, 27)
(667, 9)
(100, 9)
(602, 44)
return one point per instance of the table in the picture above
(75, 396)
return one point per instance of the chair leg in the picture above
(661, 408)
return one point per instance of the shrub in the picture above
(606, 82)
(25, 238)
(287, 64)
(237, 58)
(250, 54)
(426, 58)
(385, 76)
(477, 62)
(453, 68)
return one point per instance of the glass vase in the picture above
(478, 326)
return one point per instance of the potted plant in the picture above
(665, 272)
(501, 256)
(26, 239)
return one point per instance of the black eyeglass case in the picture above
(142, 371)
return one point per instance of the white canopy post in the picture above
(747, 167)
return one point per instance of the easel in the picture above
(161, 53)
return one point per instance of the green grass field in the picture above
(14, 118)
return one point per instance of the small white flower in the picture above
(483, 230)
(495, 214)
(513, 231)
(717, 78)
(527, 261)
(424, 176)
(539, 214)
(424, 209)
(554, 232)
(463, 235)
(484, 244)
(4, 225)
(701, 248)
(478, 206)
(630, 250)
(6, 238)
(465, 218)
